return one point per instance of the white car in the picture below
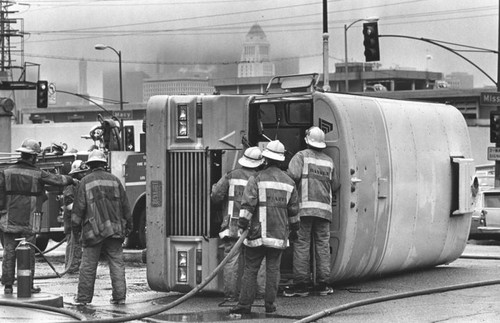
(486, 216)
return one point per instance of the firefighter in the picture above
(316, 177)
(101, 214)
(269, 210)
(73, 255)
(22, 193)
(229, 189)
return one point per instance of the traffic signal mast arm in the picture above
(435, 42)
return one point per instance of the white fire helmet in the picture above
(252, 158)
(30, 146)
(274, 150)
(97, 155)
(78, 166)
(315, 137)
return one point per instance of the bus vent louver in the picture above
(188, 187)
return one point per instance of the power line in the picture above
(69, 58)
(333, 12)
(210, 29)
(260, 10)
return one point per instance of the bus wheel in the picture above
(42, 240)
(141, 230)
(58, 236)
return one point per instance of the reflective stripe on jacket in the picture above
(229, 189)
(68, 198)
(316, 178)
(270, 204)
(22, 193)
(101, 208)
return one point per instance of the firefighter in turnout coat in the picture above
(101, 212)
(22, 193)
(229, 191)
(269, 210)
(316, 177)
(73, 256)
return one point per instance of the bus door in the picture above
(324, 117)
(285, 120)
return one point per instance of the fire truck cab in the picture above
(405, 169)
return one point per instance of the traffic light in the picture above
(129, 138)
(42, 94)
(495, 127)
(370, 33)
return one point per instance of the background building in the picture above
(460, 80)
(176, 86)
(255, 55)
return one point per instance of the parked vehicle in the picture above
(485, 175)
(485, 222)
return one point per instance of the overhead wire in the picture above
(260, 10)
(241, 27)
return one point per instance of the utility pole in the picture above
(326, 55)
(497, 144)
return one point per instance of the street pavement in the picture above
(468, 305)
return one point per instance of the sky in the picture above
(207, 33)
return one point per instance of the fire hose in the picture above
(53, 248)
(57, 274)
(344, 307)
(158, 310)
(310, 318)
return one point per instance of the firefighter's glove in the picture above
(243, 223)
(293, 237)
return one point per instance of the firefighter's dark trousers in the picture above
(73, 256)
(319, 229)
(253, 259)
(9, 256)
(233, 271)
(112, 249)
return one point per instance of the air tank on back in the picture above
(406, 170)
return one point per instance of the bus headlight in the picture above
(182, 129)
(182, 120)
(182, 266)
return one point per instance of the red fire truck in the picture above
(129, 166)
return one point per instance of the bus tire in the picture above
(42, 240)
(57, 236)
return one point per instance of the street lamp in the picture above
(346, 27)
(119, 53)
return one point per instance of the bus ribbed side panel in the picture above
(189, 193)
